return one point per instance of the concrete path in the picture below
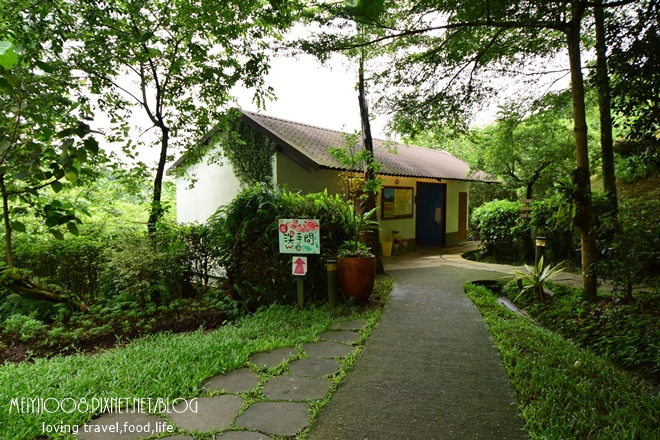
(429, 369)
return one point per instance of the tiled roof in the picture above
(308, 146)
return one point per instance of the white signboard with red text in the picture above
(299, 236)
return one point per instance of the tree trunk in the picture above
(5, 215)
(584, 218)
(25, 287)
(156, 205)
(369, 203)
(606, 141)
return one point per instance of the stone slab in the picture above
(275, 418)
(327, 350)
(212, 413)
(270, 359)
(356, 324)
(296, 388)
(242, 380)
(242, 435)
(315, 367)
(118, 425)
(342, 336)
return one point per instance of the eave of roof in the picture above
(309, 146)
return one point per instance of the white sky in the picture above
(323, 95)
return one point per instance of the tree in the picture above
(633, 39)
(602, 82)
(44, 140)
(522, 149)
(440, 50)
(177, 61)
(367, 11)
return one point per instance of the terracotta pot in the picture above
(356, 276)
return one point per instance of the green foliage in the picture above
(147, 268)
(45, 141)
(74, 263)
(564, 391)
(24, 327)
(631, 255)
(357, 190)
(499, 227)
(250, 154)
(200, 256)
(184, 59)
(537, 278)
(635, 82)
(130, 370)
(626, 332)
(552, 219)
(245, 233)
(356, 225)
(637, 164)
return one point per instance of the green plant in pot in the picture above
(355, 262)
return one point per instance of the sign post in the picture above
(299, 236)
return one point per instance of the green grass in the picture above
(565, 391)
(625, 332)
(160, 366)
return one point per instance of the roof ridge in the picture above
(288, 121)
(323, 128)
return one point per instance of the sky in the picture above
(307, 91)
(323, 95)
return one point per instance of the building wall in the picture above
(299, 179)
(216, 186)
(404, 226)
(453, 188)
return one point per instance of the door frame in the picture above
(462, 215)
(443, 232)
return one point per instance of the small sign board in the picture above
(299, 236)
(526, 209)
(299, 266)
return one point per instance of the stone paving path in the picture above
(284, 412)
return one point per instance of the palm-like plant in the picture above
(537, 278)
(356, 224)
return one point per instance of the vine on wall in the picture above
(250, 154)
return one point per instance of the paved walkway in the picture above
(428, 371)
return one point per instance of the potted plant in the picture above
(356, 265)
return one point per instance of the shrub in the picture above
(74, 263)
(631, 254)
(201, 257)
(245, 233)
(23, 326)
(148, 269)
(551, 218)
(501, 230)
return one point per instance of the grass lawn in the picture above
(165, 365)
(565, 391)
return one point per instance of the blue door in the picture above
(431, 213)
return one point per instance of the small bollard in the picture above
(540, 249)
(300, 287)
(333, 295)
